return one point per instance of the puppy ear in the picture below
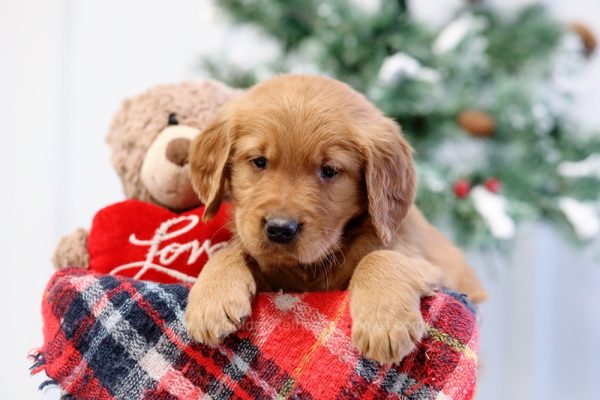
(390, 178)
(208, 157)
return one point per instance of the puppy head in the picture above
(300, 157)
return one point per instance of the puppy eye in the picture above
(328, 172)
(260, 162)
(173, 119)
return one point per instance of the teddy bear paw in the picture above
(72, 251)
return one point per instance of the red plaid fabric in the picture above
(109, 337)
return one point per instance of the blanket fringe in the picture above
(47, 383)
(38, 362)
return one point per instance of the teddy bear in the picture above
(149, 140)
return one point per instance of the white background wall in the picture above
(65, 66)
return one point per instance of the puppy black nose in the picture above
(281, 230)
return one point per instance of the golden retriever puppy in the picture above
(322, 185)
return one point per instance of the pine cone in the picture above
(477, 123)
(586, 35)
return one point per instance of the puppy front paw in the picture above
(215, 310)
(385, 332)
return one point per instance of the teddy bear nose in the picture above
(177, 151)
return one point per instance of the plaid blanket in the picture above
(108, 337)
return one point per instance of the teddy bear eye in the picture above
(173, 119)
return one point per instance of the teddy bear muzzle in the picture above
(177, 151)
(165, 171)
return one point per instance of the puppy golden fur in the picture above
(313, 151)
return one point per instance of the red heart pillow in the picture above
(145, 241)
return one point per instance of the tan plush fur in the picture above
(150, 155)
(143, 118)
(72, 250)
(360, 229)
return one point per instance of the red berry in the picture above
(493, 184)
(461, 188)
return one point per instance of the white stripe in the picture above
(338, 343)
(154, 364)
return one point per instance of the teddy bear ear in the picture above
(209, 154)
